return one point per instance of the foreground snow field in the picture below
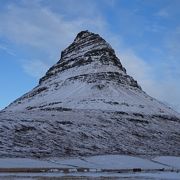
(96, 167)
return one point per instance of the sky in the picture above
(144, 33)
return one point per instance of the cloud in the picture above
(172, 43)
(38, 28)
(35, 68)
(163, 13)
(137, 67)
(36, 25)
(7, 50)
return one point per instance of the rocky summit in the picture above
(86, 104)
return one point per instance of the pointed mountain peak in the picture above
(82, 35)
(84, 42)
(90, 51)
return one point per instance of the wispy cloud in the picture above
(38, 26)
(163, 13)
(35, 68)
(7, 50)
(172, 43)
(35, 25)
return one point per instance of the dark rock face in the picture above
(85, 46)
(86, 104)
(106, 76)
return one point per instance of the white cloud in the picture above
(35, 68)
(32, 25)
(139, 70)
(39, 26)
(7, 50)
(172, 43)
(163, 13)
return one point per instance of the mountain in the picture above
(86, 104)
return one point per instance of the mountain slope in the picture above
(87, 104)
(89, 76)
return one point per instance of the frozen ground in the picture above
(94, 167)
(86, 132)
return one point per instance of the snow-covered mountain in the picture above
(87, 104)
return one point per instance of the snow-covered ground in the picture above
(86, 132)
(111, 166)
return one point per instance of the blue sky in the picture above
(144, 33)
